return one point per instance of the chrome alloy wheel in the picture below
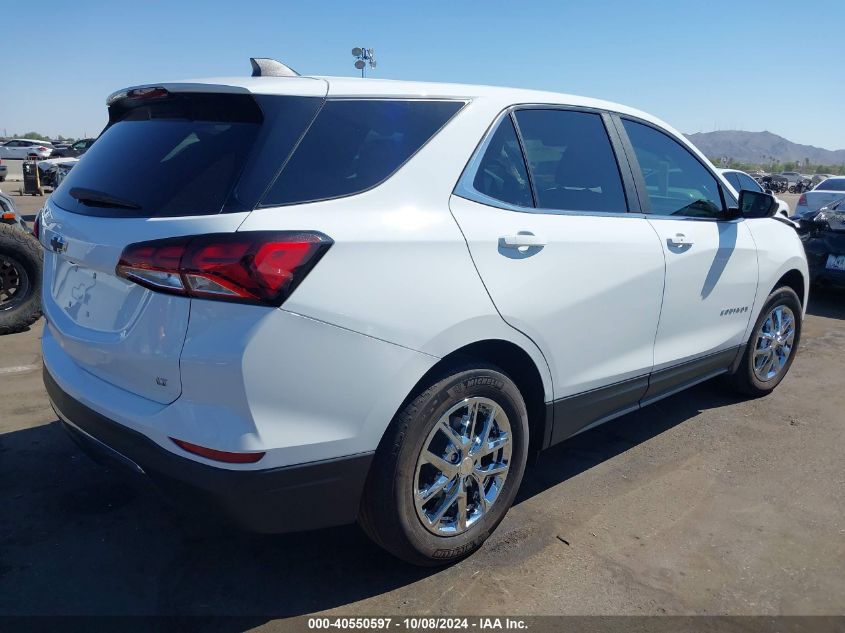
(463, 466)
(775, 340)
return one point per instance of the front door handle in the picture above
(679, 239)
(522, 240)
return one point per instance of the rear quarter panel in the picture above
(400, 269)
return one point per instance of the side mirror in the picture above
(755, 204)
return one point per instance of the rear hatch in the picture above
(180, 160)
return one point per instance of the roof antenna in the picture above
(266, 67)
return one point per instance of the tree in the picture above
(34, 136)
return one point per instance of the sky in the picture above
(701, 66)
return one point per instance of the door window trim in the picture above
(465, 187)
(645, 202)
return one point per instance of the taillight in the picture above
(36, 227)
(802, 201)
(43, 149)
(251, 267)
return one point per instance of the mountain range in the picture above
(761, 147)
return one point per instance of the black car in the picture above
(77, 149)
(823, 234)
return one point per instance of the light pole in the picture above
(365, 56)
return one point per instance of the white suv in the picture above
(307, 301)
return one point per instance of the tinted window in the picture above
(356, 144)
(832, 184)
(748, 183)
(186, 153)
(501, 173)
(733, 178)
(676, 182)
(571, 161)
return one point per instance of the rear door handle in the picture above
(522, 240)
(679, 239)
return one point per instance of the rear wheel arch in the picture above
(512, 360)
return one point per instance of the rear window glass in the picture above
(832, 185)
(179, 155)
(354, 145)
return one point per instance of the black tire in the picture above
(388, 513)
(21, 264)
(744, 380)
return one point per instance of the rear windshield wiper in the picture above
(94, 198)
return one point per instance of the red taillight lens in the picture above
(36, 227)
(253, 267)
(802, 201)
(220, 456)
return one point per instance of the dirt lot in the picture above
(700, 504)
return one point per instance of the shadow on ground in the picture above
(827, 302)
(78, 539)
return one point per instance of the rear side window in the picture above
(748, 183)
(676, 182)
(501, 173)
(353, 145)
(733, 178)
(832, 184)
(572, 163)
(182, 154)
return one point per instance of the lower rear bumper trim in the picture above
(287, 499)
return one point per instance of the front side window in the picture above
(571, 161)
(676, 182)
(501, 173)
(356, 144)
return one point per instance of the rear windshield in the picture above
(178, 155)
(832, 184)
(354, 145)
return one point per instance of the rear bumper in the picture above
(286, 499)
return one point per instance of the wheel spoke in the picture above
(484, 435)
(447, 503)
(462, 506)
(496, 468)
(495, 444)
(425, 495)
(482, 497)
(456, 440)
(443, 465)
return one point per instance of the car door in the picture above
(564, 255)
(711, 260)
(10, 149)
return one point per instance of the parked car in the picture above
(792, 177)
(369, 340)
(823, 234)
(4, 171)
(20, 271)
(740, 181)
(25, 148)
(53, 170)
(817, 178)
(775, 183)
(72, 151)
(821, 195)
